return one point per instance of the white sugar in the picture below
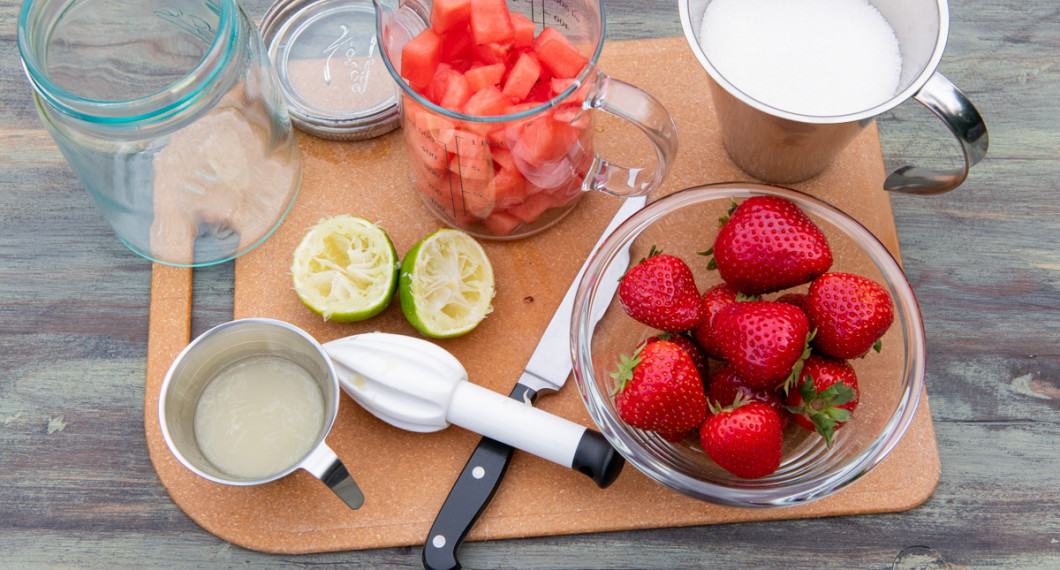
(812, 57)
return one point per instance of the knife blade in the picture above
(547, 370)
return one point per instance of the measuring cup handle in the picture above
(944, 99)
(323, 464)
(646, 113)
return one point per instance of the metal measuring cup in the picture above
(224, 345)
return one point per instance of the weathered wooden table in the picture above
(77, 487)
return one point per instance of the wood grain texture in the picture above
(77, 488)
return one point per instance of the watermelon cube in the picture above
(491, 21)
(420, 58)
(483, 76)
(522, 77)
(523, 30)
(501, 223)
(488, 101)
(449, 15)
(558, 54)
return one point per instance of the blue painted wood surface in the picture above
(77, 488)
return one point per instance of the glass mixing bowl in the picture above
(891, 382)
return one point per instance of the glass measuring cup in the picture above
(519, 168)
(170, 115)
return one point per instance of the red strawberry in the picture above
(713, 300)
(660, 292)
(800, 300)
(699, 358)
(660, 390)
(850, 314)
(763, 341)
(769, 244)
(826, 397)
(725, 386)
(679, 437)
(745, 439)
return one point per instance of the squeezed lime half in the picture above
(345, 269)
(446, 284)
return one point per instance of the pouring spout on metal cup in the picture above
(416, 385)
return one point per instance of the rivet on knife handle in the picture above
(468, 498)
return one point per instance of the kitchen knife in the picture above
(547, 370)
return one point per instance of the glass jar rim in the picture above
(156, 106)
(586, 75)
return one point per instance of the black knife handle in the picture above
(469, 496)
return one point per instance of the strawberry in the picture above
(764, 341)
(745, 438)
(699, 358)
(826, 397)
(725, 386)
(659, 389)
(713, 300)
(850, 314)
(678, 437)
(661, 292)
(768, 244)
(800, 300)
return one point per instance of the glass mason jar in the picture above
(170, 114)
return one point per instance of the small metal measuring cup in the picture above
(229, 343)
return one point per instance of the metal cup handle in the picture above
(634, 105)
(947, 102)
(323, 464)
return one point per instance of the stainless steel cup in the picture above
(224, 345)
(779, 146)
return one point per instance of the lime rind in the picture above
(447, 284)
(345, 269)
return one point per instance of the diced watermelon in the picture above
(484, 76)
(484, 61)
(531, 208)
(509, 187)
(558, 54)
(488, 101)
(501, 223)
(491, 21)
(491, 53)
(502, 158)
(522, 77)
(449, 15)
(572, 114)
(540, 92)
(523, 30)
(420, 57)
(470, 156)
(457, 46)
(477, 196)
(457, 91)
(420, 133)
(544, 139)
(560, 84)
(448, 88)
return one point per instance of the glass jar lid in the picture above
(330, 66)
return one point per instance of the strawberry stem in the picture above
(823, 407)
(626, 365)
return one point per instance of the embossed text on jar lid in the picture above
(331, 68)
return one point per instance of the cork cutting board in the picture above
(406, 476)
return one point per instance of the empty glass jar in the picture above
(171, 116)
